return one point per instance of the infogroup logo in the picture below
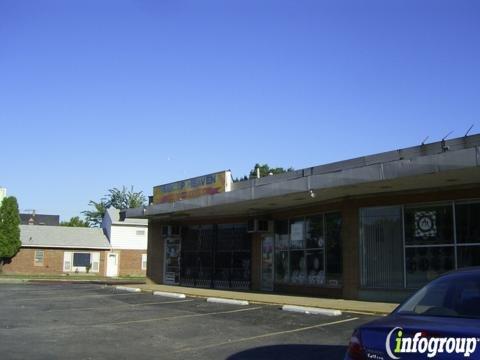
(419, 344)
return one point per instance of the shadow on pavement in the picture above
(292, 351)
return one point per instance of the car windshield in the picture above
(452, 296)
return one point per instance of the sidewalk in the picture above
(18, 279)
(353, 306)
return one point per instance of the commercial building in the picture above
(370, 228)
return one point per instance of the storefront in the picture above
(372, 228)
(406, 246)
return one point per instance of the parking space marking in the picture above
(119, 306)
(76, 297)
(277, 333)
(50, 291)
(176, 317)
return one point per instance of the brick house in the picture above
(118, 248)
(59, 250)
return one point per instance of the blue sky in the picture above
(104, 93)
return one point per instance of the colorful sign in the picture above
(210, 184)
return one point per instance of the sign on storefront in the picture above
(191, 188)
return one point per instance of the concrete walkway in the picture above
(353, 306)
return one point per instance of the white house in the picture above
(128, 240)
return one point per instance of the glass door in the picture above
(267, 263)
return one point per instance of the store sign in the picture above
(425, 224)
(170, 278)
(191, 188)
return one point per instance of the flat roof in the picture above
(439, 164)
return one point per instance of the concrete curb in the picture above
(311, 310)
(126, 288)
(170, 295)
(227, 301)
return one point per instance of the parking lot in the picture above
(52, 321)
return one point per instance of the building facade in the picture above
(128, 241)
(57, 250)
(370, 228)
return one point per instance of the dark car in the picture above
(440, 321)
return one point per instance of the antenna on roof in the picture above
(443, 144)
(445, 137)
(470, 128)
(423, 142)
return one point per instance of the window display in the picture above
(468, 256)
(315, 237)
(437, 238)
(427, 225)
(297, 234)
(424, 264)
(281, 235)
(313, 256)
(315, 266)
(281, 267)
(216, 256)
(297, 267)
(467, 218)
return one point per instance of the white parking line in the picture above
(119, 306)
(73, 297)
(176, 317)
(277, 333)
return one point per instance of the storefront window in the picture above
(429, 225)
(281, 235)
(281, 267)
(437, 238)
(467, 218)
(306, 247)
(424, 264)
(297, 234)
(382, 247)
(468, 256)
(333, 226)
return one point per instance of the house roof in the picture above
(115, 217)
(63, 237)
(40, 219)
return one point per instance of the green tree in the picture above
(74, 222)
(9, 229)
(266, 170)
(119, 199)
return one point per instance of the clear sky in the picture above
(104, 93)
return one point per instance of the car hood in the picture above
(374, 335)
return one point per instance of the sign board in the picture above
(191, 188)
(425, 224)
(170, 278)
